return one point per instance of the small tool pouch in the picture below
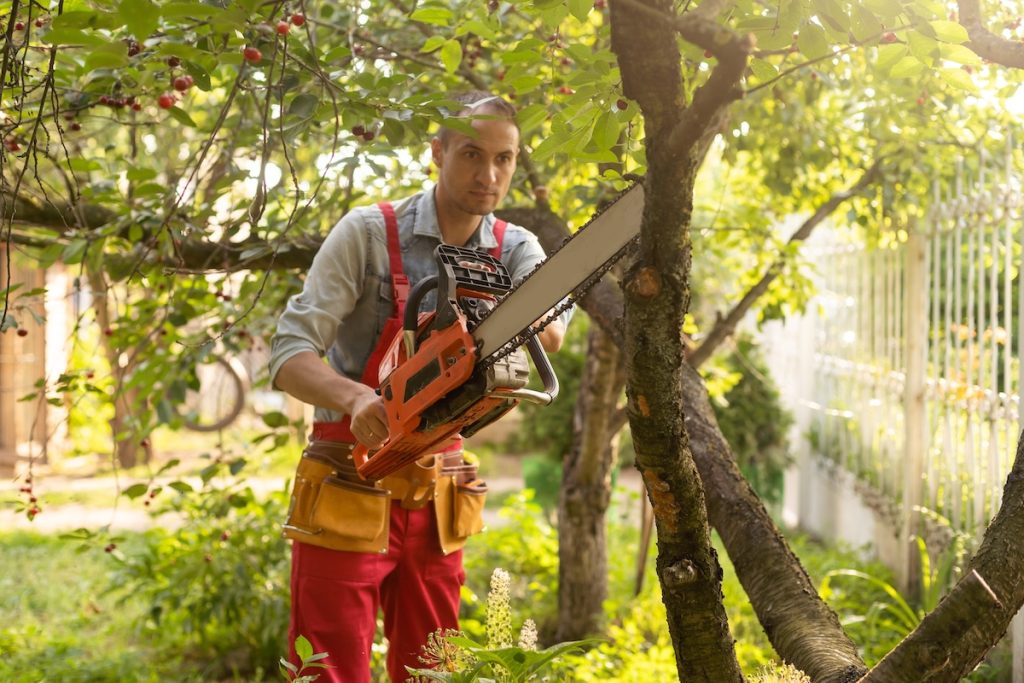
(468, 518)
(459, 503)
(332, 508)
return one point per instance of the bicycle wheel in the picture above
(219, 400)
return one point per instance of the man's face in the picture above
(474, 173)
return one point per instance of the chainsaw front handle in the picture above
(547, 375)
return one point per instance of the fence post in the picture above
(915, 415)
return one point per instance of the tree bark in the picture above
(586, 492)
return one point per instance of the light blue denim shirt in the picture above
(346, 298)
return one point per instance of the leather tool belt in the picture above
(332, 507)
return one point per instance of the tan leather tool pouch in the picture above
(459, 509)
(469, 508)
(330, 510)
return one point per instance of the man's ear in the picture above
(435, 151)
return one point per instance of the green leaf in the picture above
(532, 116)
(303, 105)
(926, 49)
(907, 67)
(813, 42)
(136, 490)
(888, 55)
(182, 116)
(949, 31)
(865, 24)
(763, 70)
(432, 43)
(478, 27)
(275, 419)
(74, 251)
(451, 55)
(187, 10)
(141, 17)
(136, 174)
(303, 648)
(958, 78)
(107, 56)
(831, 13)
(959, 54)
(72, 36)
(438, 16)
(525, 84)
(199, 74)
(581, 8)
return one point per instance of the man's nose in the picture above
(488, 173)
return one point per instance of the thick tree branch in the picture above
(985, 43)
(1000, 562)
(726, 325)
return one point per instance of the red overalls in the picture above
(336, 594)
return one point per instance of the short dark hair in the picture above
(478, 102)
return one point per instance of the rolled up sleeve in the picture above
(330, 292)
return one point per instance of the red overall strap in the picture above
(341, 431)
(499, 234)
(399, 282)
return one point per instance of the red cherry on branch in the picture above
(298, 19)
(252, 54)
(182, 83)
(165, 101)
(282, 28)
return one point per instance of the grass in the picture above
(57, 622)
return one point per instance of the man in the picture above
(359, 547)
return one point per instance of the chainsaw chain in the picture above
(569, 299)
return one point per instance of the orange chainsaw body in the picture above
(437, 392)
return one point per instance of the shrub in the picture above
(220, 581)
(753, 420)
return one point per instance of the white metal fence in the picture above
(917, 346)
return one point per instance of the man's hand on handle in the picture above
(369, 419)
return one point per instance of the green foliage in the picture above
(457, 659)
(307, 660)
(219, 580)
(527, 546)
(754, 421)
(57, 623)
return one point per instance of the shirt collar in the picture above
(426, 224)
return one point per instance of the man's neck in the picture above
(457, 227)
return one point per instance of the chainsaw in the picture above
(458, 368)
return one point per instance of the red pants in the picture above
(335, 597)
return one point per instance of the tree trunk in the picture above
(586, 492)
(658, 295)
(127, 446)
